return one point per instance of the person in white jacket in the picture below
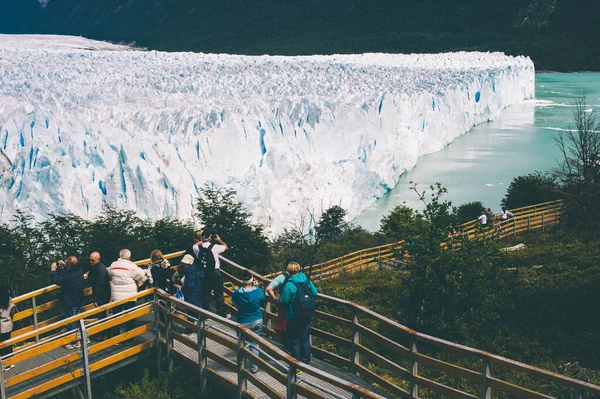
(125, 278)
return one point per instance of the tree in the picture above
(222, 214)
(292, 244)
(578, 171)
(469, 211)
(443, 283)
(401, 223)
(530, 189)
(331, 224)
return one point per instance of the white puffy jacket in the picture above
(125, 277)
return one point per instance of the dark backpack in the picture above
(206, 258)
(304, 303)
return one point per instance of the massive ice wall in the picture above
(83, 124)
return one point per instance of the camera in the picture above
(61, 264)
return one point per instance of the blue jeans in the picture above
(128, 325)
(299, 335)
(255, 327)
(69, 312)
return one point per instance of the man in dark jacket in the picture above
(99, 281)
(70, 279)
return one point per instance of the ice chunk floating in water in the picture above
(86, 123)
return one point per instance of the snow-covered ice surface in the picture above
(85, 123)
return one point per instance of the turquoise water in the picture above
(479, 165)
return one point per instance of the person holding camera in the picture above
(208, 259)
(69, 277)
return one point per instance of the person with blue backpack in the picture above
(299, 298)
(193, 281)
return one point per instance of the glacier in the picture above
(84, 124)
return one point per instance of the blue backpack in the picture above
(304, 303)
(193, 278)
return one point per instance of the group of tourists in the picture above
(487, 218)
(197, 280)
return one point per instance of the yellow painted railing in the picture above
(529, 218)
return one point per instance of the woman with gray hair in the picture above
(125, 277)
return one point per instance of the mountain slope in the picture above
(558, 34)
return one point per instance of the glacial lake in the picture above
(479, 165)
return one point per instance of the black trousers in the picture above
(214, 284)
(8, 349)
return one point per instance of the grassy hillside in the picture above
(557, 34)
(538, 305)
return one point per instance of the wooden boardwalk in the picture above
(188, 354)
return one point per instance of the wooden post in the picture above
(241, 373)
(355, 341)
(543, 222)
(413, 369)
(290, 383)
(528, 223)
(201, 352)
(514, 226)
(35, 318)
(83, 338)
(2, 382)
(267, 321)
(169, 336)
(487, 392)
(157, 330)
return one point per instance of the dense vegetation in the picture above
(558, 35)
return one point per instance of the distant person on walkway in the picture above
(69, 277)
(505, 215)
(208, 259)
(99, 280)
(125, 277)
(249, 299)
(7, 309)
(298, 297)
(490, 217)
(165, 277)
(482, 219)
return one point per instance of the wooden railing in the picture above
(52, 337)
(275, 363)
(45, 306)
(409, 364)
(167, 312)
(529, 218)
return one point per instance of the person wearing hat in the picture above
(249, 299)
